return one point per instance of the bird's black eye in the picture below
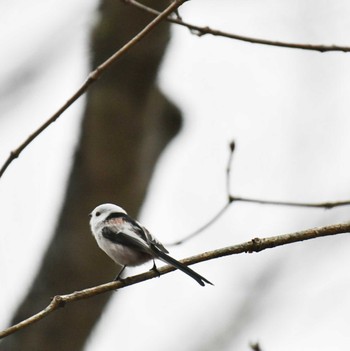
(98, 213)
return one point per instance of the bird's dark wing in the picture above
(136, 226)
(126, 240)
(152, 241)
(151, 247)
(140, 230)
(168, 259)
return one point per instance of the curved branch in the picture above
(254, 245)
(92, 78)
(200, 31)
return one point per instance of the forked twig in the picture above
(231, 199)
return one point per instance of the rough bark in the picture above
(126, 125)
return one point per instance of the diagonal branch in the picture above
(92, 78)
(254, 245)
(200, 31)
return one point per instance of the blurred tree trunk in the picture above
(127, 123)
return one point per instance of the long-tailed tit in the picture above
(128, 243)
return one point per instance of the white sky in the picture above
(288, 112)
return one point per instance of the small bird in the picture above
(128, 243)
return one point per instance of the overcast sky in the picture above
(287, 110)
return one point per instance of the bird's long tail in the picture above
(168, 259)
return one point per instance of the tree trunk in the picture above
(126, 125)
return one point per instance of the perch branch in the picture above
(200, 31)
(254, 245)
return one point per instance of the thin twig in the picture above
(228, 170)
(231, 199)
(203, 227)
(324, 205)
(200, 31)
(221, 211)
(92, 78)
(254, 245)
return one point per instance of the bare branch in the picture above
(254, 245)
(228, 170)
(203, 227)
(92, 78)
(324, 205)
(222, 210)
(200, 31)
(231, 199)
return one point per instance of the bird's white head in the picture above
(100, 214)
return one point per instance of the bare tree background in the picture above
(127, 123)
(105, 158)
